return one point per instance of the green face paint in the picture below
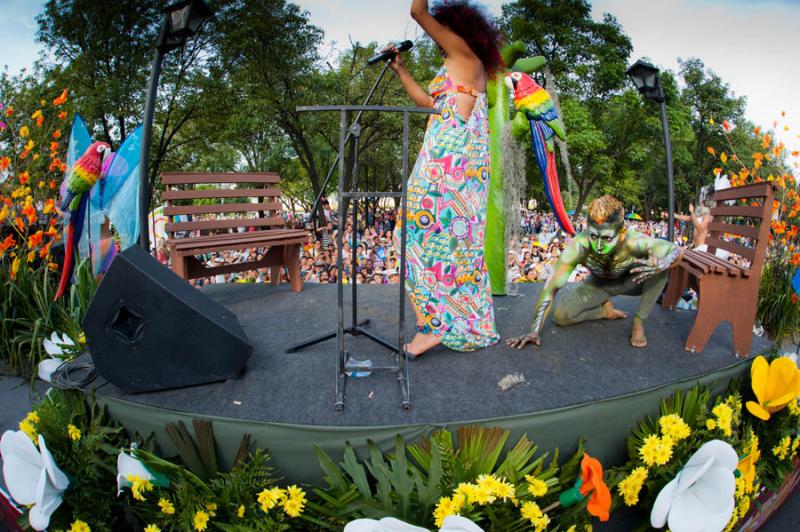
(604, 238)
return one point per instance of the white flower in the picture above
(32, 476)
(700, 497)
(128, 466)
(452, 523)
(54, 346)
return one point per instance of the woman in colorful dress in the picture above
(447, 280)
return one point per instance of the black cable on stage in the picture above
(74, 375)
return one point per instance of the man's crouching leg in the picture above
(584, 302)
(650, 290)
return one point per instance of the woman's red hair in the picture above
(471, 23)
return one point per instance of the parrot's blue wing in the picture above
(79, 142)
(539, 147)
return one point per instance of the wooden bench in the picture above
(727, 291)
(215, 225)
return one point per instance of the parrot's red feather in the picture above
(66, 271)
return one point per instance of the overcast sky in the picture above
(751, 44)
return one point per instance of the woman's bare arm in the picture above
(453, 45)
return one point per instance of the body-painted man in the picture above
(621, 262)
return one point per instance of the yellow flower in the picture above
(73, 432)
(775, 385)
(212, 508)
(28, 426)
(711, 424)
(139, 486)
(504, 491)
(468, 491)
(24, 131)
(675, 427)
(536, 487)
(747, 466)
(240, 511)
(531, 511)
(445, 507)
(744, 506)
(540, 525)
(152, 528)
(793, 407)
(79, 526)
(200, 520)
(166, 506)
(631, 486)
(724, 414)
(294, 501)
(15, 264)
(655, 450)
(782, 449)
(268, 498)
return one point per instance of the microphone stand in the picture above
(353, 127)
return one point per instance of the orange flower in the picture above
(599, 504)
(779, 227)
(53, 146)
(15, 268)
(45, 251)
(9, 111)
(756, 130)
(62, 115)
(35, 240)
(8, 243)
(19, 223)
(62, 99)
(57, 134)
(725, 125)
(49, 205)
(24, 177)
(776, 205)
(52, 184)
(5, 162)
(711, 151)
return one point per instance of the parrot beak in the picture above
(511, 83)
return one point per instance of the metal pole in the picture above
(144, 159)
(670, 176)
(341, 362)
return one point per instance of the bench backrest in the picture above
(759, 197)
(215, 215)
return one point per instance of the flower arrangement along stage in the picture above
(705, 460)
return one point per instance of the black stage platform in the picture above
(578, 364)
(584, 380)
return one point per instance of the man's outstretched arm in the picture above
(566, 263)
(660, 256)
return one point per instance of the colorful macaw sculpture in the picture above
(113, 198)
(532, 100)
(83, 176)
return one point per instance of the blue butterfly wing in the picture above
(79, 142)
(120, 198)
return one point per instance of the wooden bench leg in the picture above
(678, 281)
(705, 323)
(291, 256)
(179, 265)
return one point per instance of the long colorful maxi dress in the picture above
(446, 222)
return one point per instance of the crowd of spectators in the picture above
(377, 258)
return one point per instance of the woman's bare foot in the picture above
(638, 339)
(610, 313)
(421, 343)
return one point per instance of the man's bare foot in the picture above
(610, 313)
(421, 343)
(638, 339)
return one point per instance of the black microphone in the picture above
(389, 54)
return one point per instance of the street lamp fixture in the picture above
(182, 20)
(647, 81)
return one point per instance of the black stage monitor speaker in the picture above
(147, 329)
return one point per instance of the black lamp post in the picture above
(181, 21)
(647, 81)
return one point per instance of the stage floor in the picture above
(575, 365)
